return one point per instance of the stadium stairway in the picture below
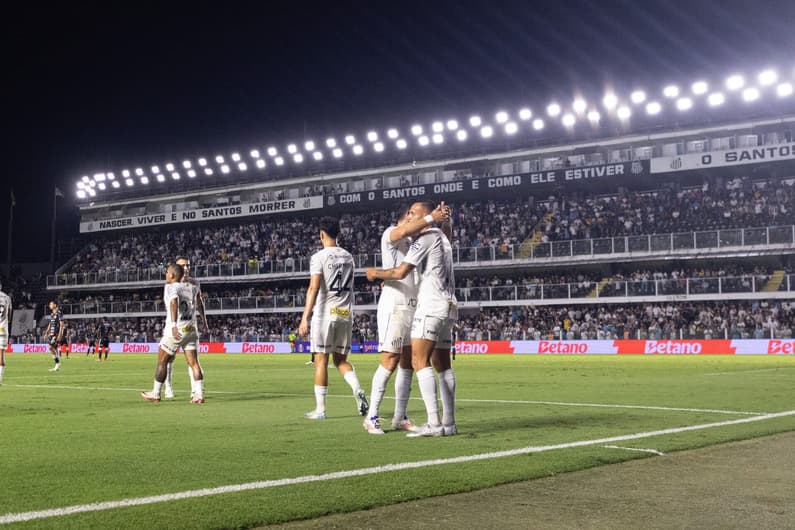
(598, 288)
(775, 281)
(529, 244)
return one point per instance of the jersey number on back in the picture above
(342, 280)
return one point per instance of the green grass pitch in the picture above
(83, 435)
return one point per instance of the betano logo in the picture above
(780, 347)
(258, 347)
(135, 348)
(671, 347)
(562, 347)
(471, 347)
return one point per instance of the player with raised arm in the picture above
(431, 329)
(5, 325)
(179, 332)
(198, 302)
(329, 303)
(396, 307)
(55, 330)
(105, 329)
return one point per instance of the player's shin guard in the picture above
(353, 381)
(427, 383)
(447, 389)
(402, 391)
(380, 379)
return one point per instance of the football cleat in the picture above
(315, 415)
(427, 430)
(197, 399)
(450, 430)
(169, 393)
(373, 425)
(309, 362)
(150, 396)
(403, 424)
(361, 402)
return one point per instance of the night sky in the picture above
(92, 89)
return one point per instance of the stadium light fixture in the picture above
(317, 155)
(169, 167)
(225, 169)
(191, 173)
(235, 157)
(292, 149)
(475, 121)
(358, 150)
(715, 99)
(202, 162)
(511, 128)
(298, 158)
(129, 182)
(579, 105)
(378, 147)
(337, 152)
(86, 179)
(699, 88)
(101, 186)
(416, 129)
(501, 117)
(139, 171)
(125, 173)
(186, 164)
(735, 82)
(279, 161)
(623, 112)
(486, 131)
(538, 124)
(684, 103)
(568, 120)
(260, 163)
(671, 91)
(81, 194)
(653, 108)
(750, 94)
(437, 126)
(784, 89)
(767, 77)
(525, 114)
(115, 184)
(92, 192)
(309, 145)
(638, 97)
(461, 135)
(610, 101)
(161, 178)
(92, 184)
(111, 176)
(254, 153)
(553, 109)
(423, 140)
(437, 138)
(99, 177)
(155, 170)
(175, 175)
(144, 180)
(401, 144)
(208, 171)
(452, 125)
(218, 160)
(81, 185)
(372, 136)
(272, 151)
(350, 139)
(392, 134)
(594, 116)
(331, 143)
(242, 166)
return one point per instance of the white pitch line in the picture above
(637, 449)
(460, 400)
(266, 484)
(751, 371)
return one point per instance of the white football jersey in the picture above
(432, 254)
(397, 294)
(183, 293)
(335, 297)
(5, 308)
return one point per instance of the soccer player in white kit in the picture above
(179, 332)
(329, 302)
(431, 329)
(396, 307)
(5, 325)
(198, 304)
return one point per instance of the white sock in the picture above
(427, 384)
(320, 398)
(169, 376)
(352, 380)
(447, 388)
(156, 388)
(380, 379)
(198, 388)
(402, 391)
(2, 369)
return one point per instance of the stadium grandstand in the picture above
(662, 213)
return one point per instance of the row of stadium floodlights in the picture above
(580, 110)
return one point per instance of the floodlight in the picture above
(292, 149)
(568, 120)
(487, 131)
(169, 167)
(553, 109)
(260, 163)
(139, 171)
(401, 144)
(623, 112)
(144, 180)
(784, 89)
(638, 97)
(155, 169)
(671, 91)
(236, 157)
(208, 171)
(279, 161)
(501, 117)
(392, 134)
(438, 138)
(538, 124)
(767, 77)
(475, 121)
(191, 173)
(125, 173)
(331, 143)
(452, 125)
(298, 158)
(350, 139)
(101, 185)
(175, 175)
(610, 101)
(416, 130)
(653, 108)
(92, 184)
(242, 166)
(161, 178)
(684, 103)
(461, 135)
(81, 194)
(423, 140)
(129, 182)
(337, 152)
(358, 150)
(579, 105)
(92, 192)
(225, 169)
(86, 179)
(751, 94)
(378, 146)
(735, 82)
(715, 99)
(437, 127)
(272, 151)
(593, 116)
(309, 145)
(254, 153)
(202, 162)
(186, 164)
(81, 185)
(372, 136)
(699, 87)
(511, 127)
(115, 184)
(317, 155)
(525, 114)
(111, 176)
(219, 159)
(99, 177)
